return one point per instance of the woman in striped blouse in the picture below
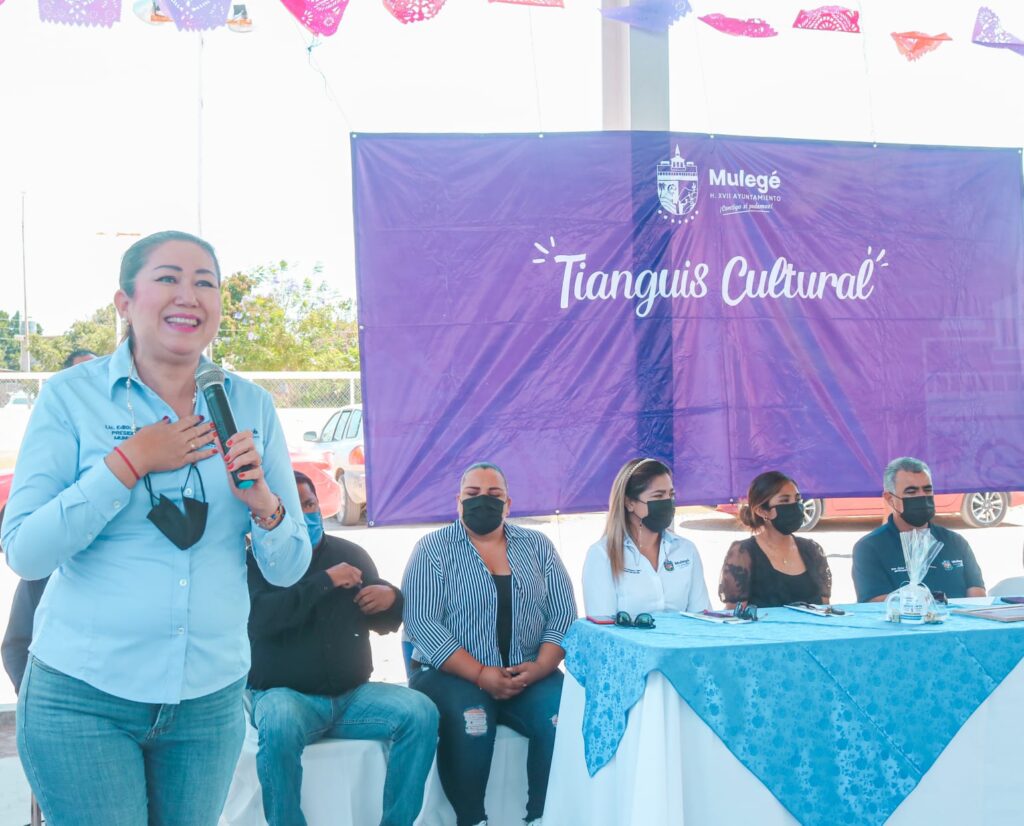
(486, 606)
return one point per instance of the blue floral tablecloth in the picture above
(839, 717)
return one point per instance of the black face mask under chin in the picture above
(186, 528)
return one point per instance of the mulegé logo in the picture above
(679, 186)
(677, 189)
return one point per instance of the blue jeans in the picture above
(93, 759)
(288, 721)
(466, 743)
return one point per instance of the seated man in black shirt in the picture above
(878, 564)
(310, 669)
(18, 636)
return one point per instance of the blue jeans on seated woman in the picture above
(287, 721)
(93, 759)
(469, 717)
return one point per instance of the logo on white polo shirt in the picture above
(671, 566)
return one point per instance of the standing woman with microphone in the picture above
(130, 712)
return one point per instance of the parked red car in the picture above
(320, 468)
(317, 466)
(6, 477)
(342, 438)
(979, 510)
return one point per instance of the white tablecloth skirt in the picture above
(670, 768)
(343, 784)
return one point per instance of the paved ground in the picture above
(998, 551)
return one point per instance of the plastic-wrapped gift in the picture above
(913, 603)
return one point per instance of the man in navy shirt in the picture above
(878, 565)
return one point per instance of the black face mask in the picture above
(918, 510)
(483, 514)
(788, 517)
(660, 513)
(186, 528)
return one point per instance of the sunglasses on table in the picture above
(741, 611)
(624, 620)
(745, 611)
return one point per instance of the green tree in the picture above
(274, 321)
(10, 342)
(10, 347)
(96, 333)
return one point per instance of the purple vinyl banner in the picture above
(560, 303)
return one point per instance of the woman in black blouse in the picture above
(774, 567)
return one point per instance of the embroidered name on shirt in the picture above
(956, 563)
(632, 570)
(120, 432)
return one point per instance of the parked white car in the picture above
(342, 435)
(19, 399)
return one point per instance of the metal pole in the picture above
(199, 158)
(26, 347)
(199, 140)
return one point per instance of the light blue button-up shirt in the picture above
(125, 610)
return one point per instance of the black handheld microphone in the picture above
(210, 382)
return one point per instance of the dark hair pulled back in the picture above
(761, 490)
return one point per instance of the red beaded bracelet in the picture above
(131, 467)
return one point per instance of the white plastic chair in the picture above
(1011, 587)
(343, 779)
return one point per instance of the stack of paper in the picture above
(999, 613)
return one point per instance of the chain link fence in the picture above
(304, 402)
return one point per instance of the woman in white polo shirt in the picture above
(639, 565)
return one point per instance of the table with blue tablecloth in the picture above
(793, 719)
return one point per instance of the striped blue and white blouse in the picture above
(451, 601)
